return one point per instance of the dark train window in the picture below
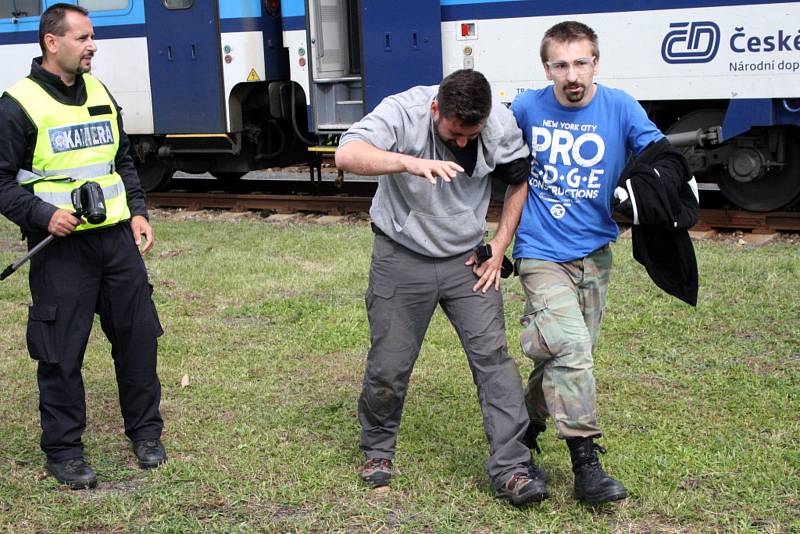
(103, 5)
(178, 4)
(20, 8)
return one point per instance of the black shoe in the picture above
(73, 472)
(523, 489)
(377, 472)
(535, 471)
(592, 484)
(532, 434)
(149, 452)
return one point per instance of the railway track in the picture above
(723, 219)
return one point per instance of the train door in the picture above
(402, 46)
(365, 50)
(183, 47)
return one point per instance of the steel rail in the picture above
(346, 205)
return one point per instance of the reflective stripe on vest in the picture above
(80, 173)
(74, 144)
(62, 199)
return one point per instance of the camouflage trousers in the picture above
(564, 307)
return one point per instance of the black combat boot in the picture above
(149, 453)
(592, 484)
(73, 472)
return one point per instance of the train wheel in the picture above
(776, 189)
(154, 173)
(227, 177)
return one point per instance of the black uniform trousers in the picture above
(71, 279)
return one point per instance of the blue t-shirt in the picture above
(578, 156)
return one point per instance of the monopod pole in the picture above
(17, 264)
(87, 200)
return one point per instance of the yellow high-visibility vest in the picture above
(74, 145)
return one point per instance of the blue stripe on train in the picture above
(101, 32)
(121, 31)
(294, 23)
(239, 10)
(241, 25)
(503, 9)
(293, 10)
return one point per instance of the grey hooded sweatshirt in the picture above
(439, 220)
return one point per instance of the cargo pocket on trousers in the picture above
(157, 329)
(377, 293)
(42, 333)
(542, 338)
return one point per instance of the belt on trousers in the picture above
(378, 231)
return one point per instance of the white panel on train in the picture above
(122, 65)
(247, 64)
(16, 61)
(748, 51)
(295, 42)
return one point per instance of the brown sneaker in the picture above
(521, 489)
(376, 472)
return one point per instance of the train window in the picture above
(178, 4)
(103, 5)
(20, 8)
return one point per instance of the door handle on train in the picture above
(194, 51)
(169, 52)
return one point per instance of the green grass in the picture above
(700, 406)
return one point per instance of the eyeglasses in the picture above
(582, 65)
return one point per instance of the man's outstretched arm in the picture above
(360, 157)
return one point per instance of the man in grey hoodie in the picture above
(433, 149)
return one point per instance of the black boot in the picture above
(149, 453)
(532, 434)
(73, 472)
(592, 484)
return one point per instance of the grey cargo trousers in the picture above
(404, 290)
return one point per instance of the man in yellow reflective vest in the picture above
(60, 128)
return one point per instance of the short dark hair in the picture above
(567, 32)
(465, 95)
(52, 21)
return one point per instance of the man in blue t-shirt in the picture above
(580, 134)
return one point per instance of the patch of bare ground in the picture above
(750, 336)
(248, 321)
(742, 239)
(106, 489)
(270, 512)
(661, 383)
(182, 214)
(655, 526)
(759, 365)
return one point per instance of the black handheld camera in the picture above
(484, 251)
(89, 203)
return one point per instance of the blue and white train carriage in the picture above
(203, 84)
(229, 86)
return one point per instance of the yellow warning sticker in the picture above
(253, 76)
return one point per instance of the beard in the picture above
(451, 144)
(574, 92)
(81, 69)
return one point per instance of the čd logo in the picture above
(691, 42)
